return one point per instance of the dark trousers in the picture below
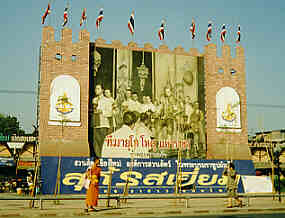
(99, 137)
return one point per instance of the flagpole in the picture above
(192, 30)
(101, 30)
(164, 30)
(98, 30)
(49, 18)
(68, 14)
(132, 37)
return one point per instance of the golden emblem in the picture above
(229, 114)
(63, 105)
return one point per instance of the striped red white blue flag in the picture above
(193, 29)
(161, 31)
(65, 17)
(47, 12)
(131, 23)
(223, 33)
(99, 18)
(238, 35)
(83, 16)
(209, 31)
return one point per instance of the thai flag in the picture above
(131, 23)
(65, 17)
(47, 12)
(99, 18)
(83, 16)
(161, 31)
(209, 31)
(223, 33)
(193, 29)
(238, 35)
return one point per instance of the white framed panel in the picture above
(228, 110)
(64, 101)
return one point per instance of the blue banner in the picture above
(7, 162)
(144, 176)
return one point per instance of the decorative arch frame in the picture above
(228, 110)
(64, 106)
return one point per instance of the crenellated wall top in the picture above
(211, 50)
(48, 35)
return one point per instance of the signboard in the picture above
(15, 145)
(148, 176)
(7, 162)
(23, 138)
(17, 138)
(257, 184)
(26, 164)
(4, 138)
(165, 89)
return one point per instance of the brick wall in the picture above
(223, 145)
(64, 140)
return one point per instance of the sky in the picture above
(262, 36)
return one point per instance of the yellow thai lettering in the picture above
(192, 179)
(75, 179)
(127, 176)
(223, 180)
(205, 179)
(151, 178)
(106, 178)
(171, 179)
(106, 175)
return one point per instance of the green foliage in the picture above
(9, 125)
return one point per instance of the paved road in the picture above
(276, 215)
(206, 207)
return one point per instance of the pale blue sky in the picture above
(262, 32)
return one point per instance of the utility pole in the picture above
(276, 160)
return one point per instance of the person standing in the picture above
(101, 121)
(232, 184)
(197, 123)
(93, 174)
(167, 113)
(30, 182)
(126, 104)
(110, 110)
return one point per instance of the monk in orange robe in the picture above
(92, 193)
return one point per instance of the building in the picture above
(262, 146)
(70, 70)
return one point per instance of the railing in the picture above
(120, 199)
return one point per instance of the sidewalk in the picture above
(136, 208)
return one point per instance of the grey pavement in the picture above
(136, 208)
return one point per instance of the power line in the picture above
(31, 92)
(267, 105)
(18, 91)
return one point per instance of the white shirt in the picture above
(132, 105)
(104, 107)
(147, 107)
(109, 107)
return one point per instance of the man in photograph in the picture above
(100, 120)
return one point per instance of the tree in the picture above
(9, 125)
